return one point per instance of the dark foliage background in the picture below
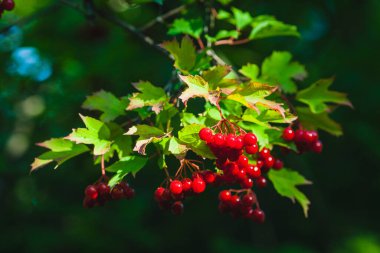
(42, 212)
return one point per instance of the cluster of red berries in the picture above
(229, 151)
(99, 193)
(6, 5)
(305, 140)
(241, 204)
(173, 196)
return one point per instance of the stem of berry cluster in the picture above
(103, 167)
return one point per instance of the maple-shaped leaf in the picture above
(184, 55)
(198, 87)
(126, 165)
(147, 134)
(279, 69)
(111, 106)
(61, 150)
(148, 95)
(321, 121)
(265, 26)
(215, 75)
(192, 27)
(318, 95)
(96, 133)
(251, 71)
(173, 146)
(285, 182)
(254, 94)
(241, 19)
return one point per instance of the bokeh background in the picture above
(54, 57)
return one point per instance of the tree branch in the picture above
(119, 22)
(161, 18)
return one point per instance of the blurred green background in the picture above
(50, 62)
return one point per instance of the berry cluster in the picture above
(241, 204)
(172, 197)
(99, 193)
(6, 5)
(305, 140)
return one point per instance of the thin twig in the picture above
(232, 42)
(161, 18)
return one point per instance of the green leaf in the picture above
(147, 134)
(278, 69)
(168, 112)
(254, 94)
(184, 55)
(317, 96)
(192, 27)
(126, 165)
(189, 136)
(174, 147)
(149, 95)
(241, 19)
(321, 121)
(259, 131)
(214, 75)
(96, 133)
(265, 26)
(251, 71)
(222, 14)
(190, 118)
(285, 182)
(197, 87)
(267, 116)
(61, 150)
(106, 102)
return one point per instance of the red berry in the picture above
(129, 193)
(309, 136)
(219, 140)
(235, 201)
(261, 182)
(242, 161)
(175, 187)
(253, 171)
(248, 199)
(8, 5)
(260, 163)
(299, 136)
(264, 153)
(233, 154)
(91, 192)
(230, 140)
(87, 202)
(239, 143)
(158, 194)
(186, 184)
(103, 189)
(177, 208)
(250, 139)
(258, 216)
(117, 192)
(269, 161)
(252, 149)
(288, 134)
(317, 147)
(225, 196)
(205, 134)
(247, 183)
(278, 164)
(209, 177)
(199, 185)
